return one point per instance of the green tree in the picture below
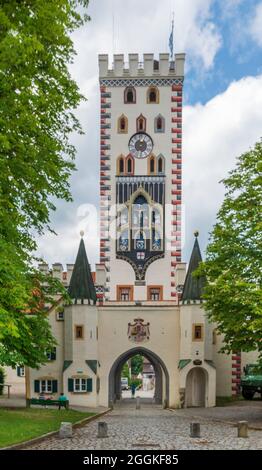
(233, 266)
(37, 102)
(136, 364)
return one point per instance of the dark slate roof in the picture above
(193, 287)
(81, 284)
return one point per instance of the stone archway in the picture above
(161, 375)
(196, 384)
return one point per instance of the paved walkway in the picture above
(250, 411)
(151, 427)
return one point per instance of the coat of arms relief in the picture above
(138, 332)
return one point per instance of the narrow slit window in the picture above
(121, 166)
(129, 165)
(152, 166)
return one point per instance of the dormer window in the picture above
(130, 95)
(153, 95)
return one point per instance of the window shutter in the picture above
(70, 385)
(89, 385)
(53, 354)
(54, 386)
(18, 370)
(37, 386)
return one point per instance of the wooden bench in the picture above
(48, 402)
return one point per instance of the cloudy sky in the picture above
(222, 103)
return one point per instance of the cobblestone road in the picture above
(153, 428)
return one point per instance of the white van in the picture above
(124, 383)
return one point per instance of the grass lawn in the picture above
(18, 425)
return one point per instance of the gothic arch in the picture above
(161, 372)
(130, 95)
(120, 165)
(130, 165)
(159, 124)
(160, 164)
(141, 123)
(140, 192)
(151, 168)
(122, 124)
(152, 95)
(196, 386)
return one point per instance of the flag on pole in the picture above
(171, 41)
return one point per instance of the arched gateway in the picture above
(140, 300)
(161, 374)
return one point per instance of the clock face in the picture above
(140, 145)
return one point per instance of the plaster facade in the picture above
(141, 303)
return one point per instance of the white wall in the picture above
(164, 341)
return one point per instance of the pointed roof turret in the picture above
(81, 284)
(193, 287)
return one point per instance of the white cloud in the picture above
(144, 26)
(214, 135)
(256, 25)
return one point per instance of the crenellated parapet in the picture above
(149, 67)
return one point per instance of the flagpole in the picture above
(171, 39)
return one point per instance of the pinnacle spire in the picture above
(193, 287)
(81, 285)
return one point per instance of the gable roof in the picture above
(81, 285)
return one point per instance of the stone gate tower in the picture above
(141, 176)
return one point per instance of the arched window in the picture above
(141, 123)
(153, 95)
(123, 242)
(140, 213)
(153, 217)
(156, 240)
(120, 165)
(156, 228)
(159, 124)
(122, 125)
(129, 165)
(160, 164)
(152, 165)
(130, 95)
